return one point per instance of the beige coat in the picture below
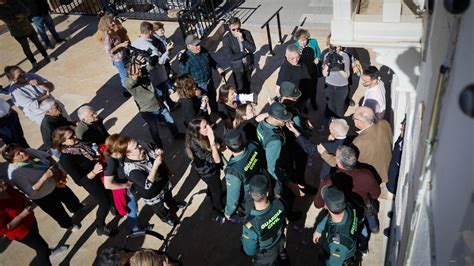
(375, 148)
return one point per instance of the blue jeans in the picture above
(132, 211)
(40, 23)
(122, 70)
(162, 91)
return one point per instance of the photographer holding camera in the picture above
(336, 70)
(139, 84)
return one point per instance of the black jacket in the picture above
(48, 125)
(232, 47)
(37, 7)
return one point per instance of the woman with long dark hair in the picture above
(202, 148)
(193, 105)
(246, 121)
(80, 162)
(227, 104)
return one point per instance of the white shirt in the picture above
(376, 93)
(159, 74)
(24, 96)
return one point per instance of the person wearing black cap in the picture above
(338, 231)
(263, 235)
(289, 95)
(247, 160)
(198, 62)
(273, 140)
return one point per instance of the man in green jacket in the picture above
(271, 136)
(263, 235)
(247, 160)
(338, 231)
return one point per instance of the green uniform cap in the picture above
(259, 184)
(334, 198)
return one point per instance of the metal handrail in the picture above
(266, 24)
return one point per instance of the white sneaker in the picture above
(75, 227)
(57, 251)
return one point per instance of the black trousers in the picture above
(153, 119)
(160, 208)
(270, 256)
(35, 241)
(211, 94)
(26, 46)
(336, 99)
(214, 187)
(51, 204)
(98, 192)
(242, 80)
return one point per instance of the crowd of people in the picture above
(264, 175)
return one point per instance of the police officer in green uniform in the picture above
(337, 232)
(289, 95)
(246, 161)
(263, 235)
(273, 140)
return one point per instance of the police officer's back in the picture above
(337, 232)
(247, 160)
(263, 235)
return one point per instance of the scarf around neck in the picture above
(80, 148)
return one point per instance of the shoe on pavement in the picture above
(219, 219)
(143, 228)
(60, 40)
(104, 231)
(56, 251)
(50, 58)
(75, 227)
(181, 204)
(171, 221)
(351, 102)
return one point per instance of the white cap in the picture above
(4, 108)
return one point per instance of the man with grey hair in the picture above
(53, 119)
(338, 136)
(374, 142)
(354, 180)
(91, 127)
(294, 71)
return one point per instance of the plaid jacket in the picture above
(199, 66)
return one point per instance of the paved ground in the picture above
(314, 13)
(84, 74)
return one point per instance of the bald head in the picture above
(364, 117)
(338, 128)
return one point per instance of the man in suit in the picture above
(240, 46)
(374, 142)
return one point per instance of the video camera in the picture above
(142, 58)
(334, 60)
